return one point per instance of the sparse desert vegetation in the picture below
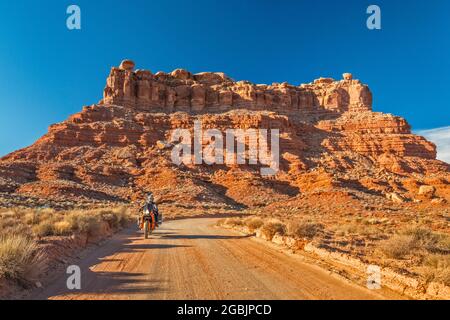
(254, 223)
(271, 228)
(413, 240)
(304, 229)
(22, 231)
(429, 250)
(397, 246)
(19, 257)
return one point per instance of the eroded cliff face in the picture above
(209, 92)
(119, 149)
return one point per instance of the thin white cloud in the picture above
(440, 137)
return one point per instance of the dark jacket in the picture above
(152, 207)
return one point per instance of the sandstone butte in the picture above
(116, 150)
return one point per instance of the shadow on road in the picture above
(116, 284)
(120, 284)
(107, 270)
(203, 236)
(149, 246)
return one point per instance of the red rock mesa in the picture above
(118, 149)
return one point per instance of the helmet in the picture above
(150, 197)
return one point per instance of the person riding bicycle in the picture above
(151, 206)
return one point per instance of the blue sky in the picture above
(49, 72)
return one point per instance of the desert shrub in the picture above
(443, 276)
(122, 215)
(7, 222)
(31, 218)
(398, 246)
(423, 237)
(234, 222)
(43, 229)
(220, 222)
(19, 229)
(48, 222)
(85, 223)
(429, 240)
(11, 214)
(270, 229)
(254, 223)
(72, 220)
(432, 247)
(46, 212)
(345, 229)
(61, 228)
(443, 243)
(110, 218)
(437, 269)
(18, 257)
(437, 261)
(304, 229)
(116, 218)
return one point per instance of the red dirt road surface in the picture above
(191, 259)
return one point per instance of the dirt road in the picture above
(190, 259)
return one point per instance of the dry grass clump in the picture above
(116, 218)
(10, 223)
(271, 228)
(442, 275)
(233, 222)
(43, 229)
(47, 222)
(304, 229)
(62, 228)
(86, 221)
(81, 222)
(361, 228)
(19, 257)
(438, 261)
(431, 250)
(31, 218)
(429, 240)
(437, 268)
(398, 246)
(220, 222)
(19, 228)
(254, 223)
(416, 240)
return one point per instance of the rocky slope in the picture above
(118, 149)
